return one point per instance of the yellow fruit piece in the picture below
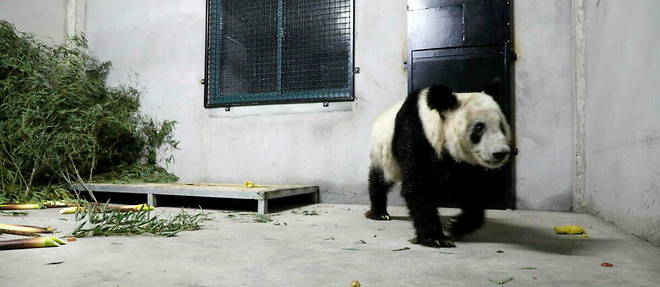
(355, 283)
(569, 229)
(249, 184)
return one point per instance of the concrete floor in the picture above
(310, 251)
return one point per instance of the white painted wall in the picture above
(623, 114)
(46, 19)
(163, 41)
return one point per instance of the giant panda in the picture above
(437, 141)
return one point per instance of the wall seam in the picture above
(579, 113)
(76, 11)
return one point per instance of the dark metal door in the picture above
(465, 44)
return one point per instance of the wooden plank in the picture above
(216, 190)
(262, 206)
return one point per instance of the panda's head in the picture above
(475, 129)
(478, 132)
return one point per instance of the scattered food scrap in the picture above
(329, 238)
(355, 283)
(360, 242)
(34, 242)
(446, 252)
(71, 238)
(500, 251)
(402, 249)
(55, 263)
(607, 264)
(501, 281)
(528, 268)
(569, 229)
(352, 249)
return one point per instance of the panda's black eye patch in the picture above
(477, 132)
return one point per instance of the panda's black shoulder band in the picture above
(441, 98)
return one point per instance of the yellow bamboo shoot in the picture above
(35, 242)
(24, 229)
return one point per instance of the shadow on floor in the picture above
(542, 239)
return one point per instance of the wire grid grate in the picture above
(317, 40)
(278, 51)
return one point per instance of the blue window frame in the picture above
(278, 51)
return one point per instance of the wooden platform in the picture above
(261, 193)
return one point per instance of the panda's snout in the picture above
(501, 154)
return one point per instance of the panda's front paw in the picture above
(377, 215)
(441, 242)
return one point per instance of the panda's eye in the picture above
(477, 132)
(479, 127)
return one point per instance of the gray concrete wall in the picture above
(623, 114)
(46, 19)
(544, 104)
(162, 41)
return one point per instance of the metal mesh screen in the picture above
(317, 40)
(277, 51)
(249, 47)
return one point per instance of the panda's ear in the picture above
(441, 98)
(493, 88)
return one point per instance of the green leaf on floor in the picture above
(307, 212)
(262, 218)
(501, 281)
(13, 213)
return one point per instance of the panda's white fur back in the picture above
(382, 134)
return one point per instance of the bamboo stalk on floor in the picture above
(14, 206)
(36, 242)
(56, 204)
(100, 207)
(25, 230)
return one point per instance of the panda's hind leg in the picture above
(469, 220)
(378, 189)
